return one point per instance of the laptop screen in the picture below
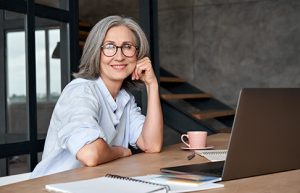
(265, 134)
(264, 137)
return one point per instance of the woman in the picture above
(96, 118)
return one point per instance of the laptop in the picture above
(265, 137)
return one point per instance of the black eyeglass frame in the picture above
(121, 47)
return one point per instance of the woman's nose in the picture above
(119, 55)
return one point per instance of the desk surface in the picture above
(146, 163)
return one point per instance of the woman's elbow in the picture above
(150, 146)
(89, 159)
(91, 162)
(153, 149)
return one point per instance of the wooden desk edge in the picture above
(170, 156)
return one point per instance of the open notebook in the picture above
(141, 184)
(213, 155)
(178, 185)
(108, 184)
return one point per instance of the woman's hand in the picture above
(144, 72)
(124, 152)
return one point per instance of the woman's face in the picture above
(117, 67)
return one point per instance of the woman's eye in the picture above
(109, 46)
(127, 46)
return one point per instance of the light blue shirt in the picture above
(85, 112)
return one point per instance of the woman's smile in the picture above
(118, 66)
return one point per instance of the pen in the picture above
(191, 156)
(158, 190)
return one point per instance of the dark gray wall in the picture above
(221, 46)
(92, 11)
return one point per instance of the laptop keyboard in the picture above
(209, 169)
(214, 171)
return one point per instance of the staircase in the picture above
(185, 107)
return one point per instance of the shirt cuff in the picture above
(83, 137)
(135, 135)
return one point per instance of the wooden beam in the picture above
(185, 96)
(213, 114)
(171, 79)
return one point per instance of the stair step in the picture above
(170, 79)
(81, 44)
(225, 130)
(185, 96)
(83, 35)
(84, 25)
(213, 114)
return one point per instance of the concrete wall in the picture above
(222, 46)
(92, 11)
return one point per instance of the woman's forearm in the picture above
(99, 152)
(152, 134)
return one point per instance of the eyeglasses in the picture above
(127, 50)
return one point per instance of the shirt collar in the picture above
(121, 99)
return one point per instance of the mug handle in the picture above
(183, 136)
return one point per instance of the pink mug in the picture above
(195, 139)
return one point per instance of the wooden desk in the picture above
(144, 163)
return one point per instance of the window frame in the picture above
(31, 10)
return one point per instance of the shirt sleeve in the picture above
(136, 121)
(78, 110)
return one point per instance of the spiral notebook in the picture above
(213, 155)
(108, 184)
(179, 185)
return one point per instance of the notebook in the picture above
(264, 137)
(213, 155)
(177, 185)
(108, 184)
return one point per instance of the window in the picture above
(30, 86)
(47, 78)
(16, 64)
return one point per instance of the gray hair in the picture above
(89, 67)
